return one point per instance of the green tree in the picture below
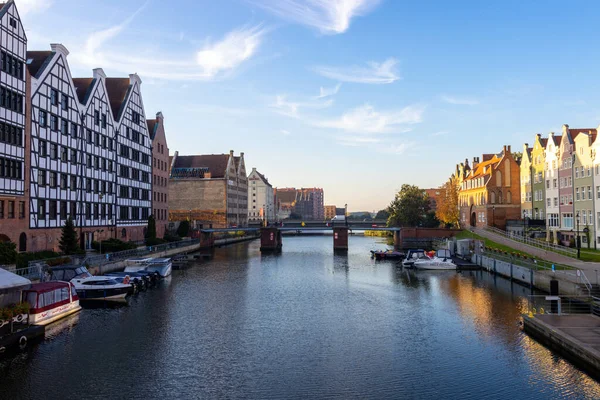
(430, 220)
(184, 228)
(382, 214)
(68, 239)
(409, 208)
(151, 231)
(8, 253)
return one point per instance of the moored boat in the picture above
(101, 288)
(162, 266)
(413, 255)
(440, 261)
(51, 301)
(388, 255)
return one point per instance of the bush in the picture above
(113, 245)
(184, 228)
(169, 237)
(572, 243)
(24, 258)
(155, 241)
(8, 253)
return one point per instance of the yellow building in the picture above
(329, 212)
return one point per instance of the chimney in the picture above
(99, 74)
(242, 154)
(135, 78)
(59, 48)
(466, 162)
(253, 169)
(475, 162)
(231, 153)
(538, 136)
(159, 117)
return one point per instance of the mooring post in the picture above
(397, 240)
(554, 292)
(207, 240)
(270, 239)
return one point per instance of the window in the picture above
(88, 160)
(41, 208)
(547, 183)
(554, 183)
(576, 194)
(73, 156)
(53, 122)
(12, 22)
(88, 184)
(73, 211)
(64, 154)
(96, 138)
(96, 117)
(63, 181)
(41, 177)
(64, 126)
(64, 102)
(89, 136)
(53, 151)
(553, 220)
(96, 211)
(145, 194)
(73, 129)
(54, 97)
(589, 191)
(576, 172)
(63, 210)
(548, 202)
(53, 182)
(135, 117)
(11, 209)
(123, 213)
(2, 210)
(96, 186)
(42, 148)
(21, 209)
(104, 120)
(52, 209)
(73, 183)
(567, 220)
(88, 211)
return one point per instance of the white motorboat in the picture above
(440, 261)
(161, 265)
(137, 264)
(101, 288)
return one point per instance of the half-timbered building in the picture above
(134, 155)
(13, 120)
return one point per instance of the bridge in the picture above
(271, 239)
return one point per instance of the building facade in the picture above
(525, 178)
(330, 212)
(202, 189)
(489, 190)
(583, 184)
(160, 173)
(14, 146)
(552, 165)
(538, 173)
(261, 199)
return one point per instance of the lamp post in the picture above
(524, 216)
(578, 238)
(346, 213)
(494, 216)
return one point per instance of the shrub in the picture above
(169, 237)
(154, 241)
(113, 245)
(8, 253)
(184, 228)
(24, 258)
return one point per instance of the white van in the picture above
(338, 218)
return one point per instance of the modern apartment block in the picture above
(304, 203)
(261, 199)
(160, 173)
(70, 147)
(330, 212)
(209, 190)
(13, 128)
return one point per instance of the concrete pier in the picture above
(340, 238)
(575, 335)
(270, 239)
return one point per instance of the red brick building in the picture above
(160, 173)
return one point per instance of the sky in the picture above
(355, 96)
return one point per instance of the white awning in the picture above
(8, 281)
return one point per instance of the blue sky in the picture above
(355, 96)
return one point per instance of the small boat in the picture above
(441, 260)
(412, 256)
(101, 288)
(137, 264)
(161, 265)
(51, 301)
(387, 255)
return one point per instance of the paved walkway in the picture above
(590, 268)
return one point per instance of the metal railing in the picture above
(542, 244)
(29, 272)
(562, 305)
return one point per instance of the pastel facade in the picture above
(538, 174)
(526, 182)
(261, 198)
(552, 165)
(160, 173)
(583, 182)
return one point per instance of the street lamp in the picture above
(578, 238)
(524, 216)
(494, 216)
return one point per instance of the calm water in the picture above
(303, 324)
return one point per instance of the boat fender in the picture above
(2, 349)
(23, 341)
(126, 280)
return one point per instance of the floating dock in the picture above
(577, 336)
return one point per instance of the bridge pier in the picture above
(340, 238)
(397, 240)
(270, 239)
(207, 240)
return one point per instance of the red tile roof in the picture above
(481, 167)
(117, 89)
(82, 85)
(36, 60)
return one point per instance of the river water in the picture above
(302, 324)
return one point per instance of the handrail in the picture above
(586, 282)
(534, 242)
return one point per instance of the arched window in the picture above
(508, 197)
(500, 197)
(493, 198)
(499, 178)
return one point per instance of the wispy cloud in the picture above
(217, 109)
(328, 16)
(367, 120)
(373, 73)
(440, 133)
(356, 141)
(216, 59)
(32, 6)
(326, 92)
(289, 108)
(467, 101)
(396, 148)
(285, 132)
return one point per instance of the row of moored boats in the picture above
(419, 258)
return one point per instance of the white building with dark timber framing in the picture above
(13, 140)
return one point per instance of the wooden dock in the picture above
(577, 336)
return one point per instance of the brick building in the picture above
(160, 173)
(489, 190)
(304, 203)
(209, 190)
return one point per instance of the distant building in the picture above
(330, 212)
(261, 200)
(305, 203)
(433, 195)
(209, 190)
(160, 173)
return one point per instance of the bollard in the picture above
(554, 292)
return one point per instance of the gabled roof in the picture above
(216, 163)
(117, 89)
(261, 176)
(544, 142)
(37, 61)
(482, 170)
(83, 87)
(152, 127)
(556, 139)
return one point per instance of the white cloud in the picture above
(467, 101)
(396, 148)
(32, 6)
(213, 61)
(328, 16)
(290, 108)
(440, 133)
(326, 92)
(374, 73)
(367, 120)
(285, 132)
